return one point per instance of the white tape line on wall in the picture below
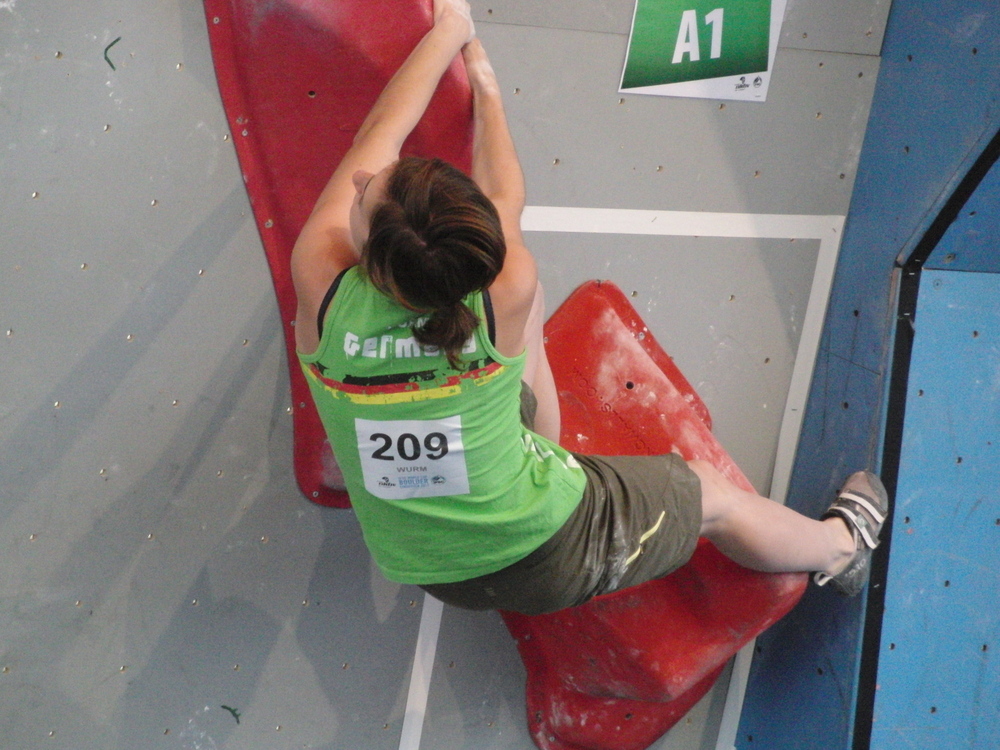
(420, 677)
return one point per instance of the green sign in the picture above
(674, 41)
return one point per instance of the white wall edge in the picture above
(420, 676)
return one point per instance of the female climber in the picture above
(419, 330)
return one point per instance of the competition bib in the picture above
(403, 459)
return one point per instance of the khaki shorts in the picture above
(639, 519)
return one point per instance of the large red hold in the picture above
(619, 671)
(297, 78)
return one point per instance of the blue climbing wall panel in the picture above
(972, 242)
(936, 106)
(939, 678)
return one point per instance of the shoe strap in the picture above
(858, 523)
(866, 503)
(821, 578)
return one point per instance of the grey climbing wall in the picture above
(164, 585)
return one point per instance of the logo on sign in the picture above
(413, 483)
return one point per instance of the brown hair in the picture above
(434, 240)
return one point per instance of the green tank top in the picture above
(446, 482)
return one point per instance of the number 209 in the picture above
(408, 446)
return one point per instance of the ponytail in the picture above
(448, 328)
(433, 241)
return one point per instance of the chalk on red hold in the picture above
(619, 671)
(297, 78)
